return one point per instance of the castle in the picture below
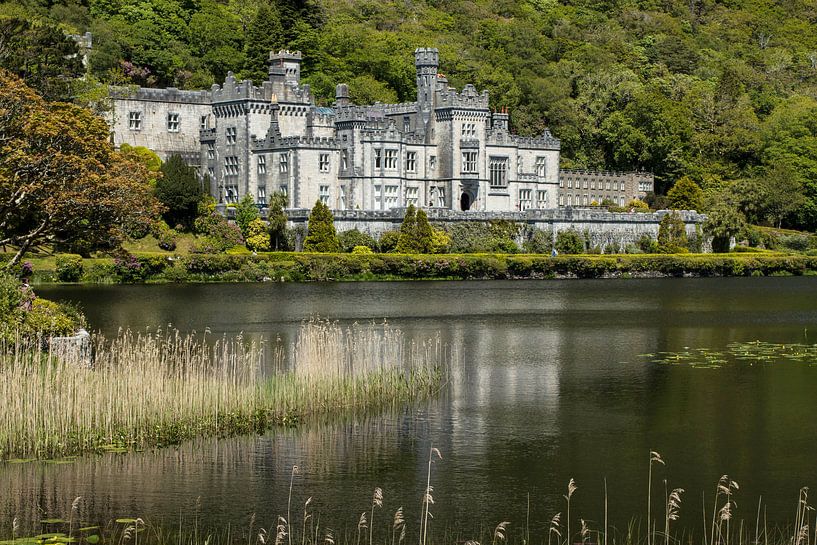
(445, 150)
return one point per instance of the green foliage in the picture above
(440, 241)
(179, 190)
(218, 235)
(321, 235)
(245, 213)
(722, 223)
(672, 235)
(569, 242)
(69, 267)
(349, 240)
(685, 195)
(538, 242)
(165, 236)
(146, 156)
(483, 237)
(637, 205)
(388, 241)
(362, 250)
(258, 238)
(277, 219)
(648, 245)
(408, 232)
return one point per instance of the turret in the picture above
(342, 95)
(427, 63)
(285, 66)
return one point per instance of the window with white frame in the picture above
(135, 121)
(262, 164)
(231, 135)
(323, 162)
(173, 122)
(570, 200)
(525, 199)
(498, 170)
(411, 161)
(211, 172)
(203, 122)
(377, 161)
(406, 123)
(211, 151)
(621, 201)
(541, 198)
(593, 184)
(262, 196)
(344, 159)
(284, 189)
(561, 182)
(391, 196)
(412, 195)
(469, 130)
(231, 193)
(231, 166)
(469, 161)
(283, 162)
(585, 183)
(378, 195)
(584, 199)
(323, 194)
(390, 159)
(561, 200)
(342, 197)
(440, 196)
(432, 162)
(608, 185)
(519, 164)
(644, 186)
(541, 167)
(570, 183)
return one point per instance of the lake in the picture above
(551, 384)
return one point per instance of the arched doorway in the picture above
(465, 202)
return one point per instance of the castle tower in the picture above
(285, 65)
(427, 63)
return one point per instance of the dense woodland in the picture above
(724, 92)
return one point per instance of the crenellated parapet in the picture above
(288, 142)
(468, 98)
(170, 94)
(639, 175)
(545, 141)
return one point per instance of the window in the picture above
(499, 171)
(283, 162)
(378, 196)
(262, 196)
(561, 200)
(342, 197)
(377, 158)
(323, 163)
(135, 121)
(211, 172)
(432, 162)
(211, 151)
(390, 161)
(519, 164)
(391, 196)
(584, 199)
(406, 123)
(231, 135)
(412, 195)
(469, 130)
(644, 186)
(593, 184)
(203, 122)
(570, 200)
(621, 201)
(585, 184)
(324, 194)
(608, 186)
(561, 182)
(570, 183)
(231, 166)
(284, 190)
(542, 198)
(440, 196)
(231, 193)
(262, 164)
(173, 122)
(469, 161)
(411, 161)
(525, 200)
(344, 158)
(541, 167)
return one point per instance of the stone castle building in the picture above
(446, 150)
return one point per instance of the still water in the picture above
(550, 386)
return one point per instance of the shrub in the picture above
(11, 295)
(440, 241)
(362, 250)
(349, 240)
(685, 195)
(388, 241)
(131, 269)
(407, 244)
(483, 237)
(539, 242)
(569, 242)
(180, 191)
(320, 231)
(648, 245)
(50, 318)
(245, 213)
(637, 205)
(219, 234)
(672, 234)
(258, 238)
(69, 267)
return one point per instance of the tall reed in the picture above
(152, 389)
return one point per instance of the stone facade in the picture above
(584, 187)
(447, 149)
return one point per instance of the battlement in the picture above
(170, 94)
(296, 142)
(426, 56)
(234, 90)
(402, 108)
(643, 176)
(545, 141)
(468, 98)
(285, 54)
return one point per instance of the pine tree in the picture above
(321, 235)
(264, 34)
(277, 221)
(672, 235)
(424, 240)
(180, 191)
(408, 232)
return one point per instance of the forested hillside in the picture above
(723, 92)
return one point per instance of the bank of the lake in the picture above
(311, 267)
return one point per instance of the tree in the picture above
(245, 212)
(685, 195)
(61, 181)
(277, 221)
(672, 234)
(180, 191)
(723, 222)
(569, 242)
(408, 232)
(264, 34)
(425, 234)
(321, 235)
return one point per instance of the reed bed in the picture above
(153, 389)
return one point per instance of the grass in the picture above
(153, 389)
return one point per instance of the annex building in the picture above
(445, 150)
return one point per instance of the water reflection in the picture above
(549, 387)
